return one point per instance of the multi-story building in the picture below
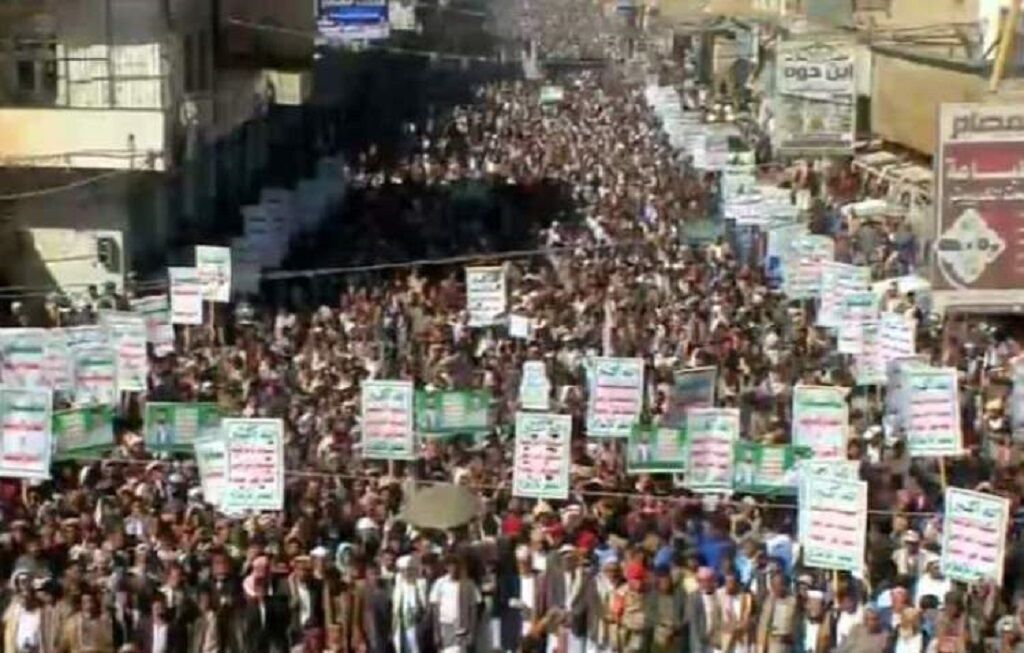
(150, 118)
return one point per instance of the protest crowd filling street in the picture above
(620, 442)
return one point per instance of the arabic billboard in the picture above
(815, 93)
(346, 21)
(979, 246)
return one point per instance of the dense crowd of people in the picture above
(124, 554)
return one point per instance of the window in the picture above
(26, 74)
(203, 60)
(190, 63)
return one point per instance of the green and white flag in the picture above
(656, 450)
(176, 426)
(83, 431)
(767, 469)
(450, 413)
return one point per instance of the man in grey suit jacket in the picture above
(703, 613)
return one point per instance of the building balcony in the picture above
(101, 138)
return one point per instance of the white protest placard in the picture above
(59, 368)
(694, 387)
(802, 268)
(710, 435)
(858, 309)
(26, 424)
(254, 456)
(896, 336)
(821, 420)
(485, 296)
(210, 460)
(838, 280)
(541, 459)
(387, 420)
(616, 396)
(894, 386)
(534, 387)
(186, 296)
(974, 531)
(89, 335)
(95, 375)
(520, 326)
(127, 333)
(23, 358)
(869, 365)
(843, 470)
(213, 265)
(931, 411)
(156, 310)
(833, 523)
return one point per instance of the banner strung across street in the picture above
(815, 89)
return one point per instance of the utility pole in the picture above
(1007, 45)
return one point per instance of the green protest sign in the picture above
(767, 469)
(450, 413)
(177, 426)
(656, 450)
(83, 431)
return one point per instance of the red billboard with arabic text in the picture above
(979, 238)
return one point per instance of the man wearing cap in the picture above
(866, 637)
(409, 605)
(909, 559)
(629, 610)
(814, 627)
(519, 599)
(23, 618)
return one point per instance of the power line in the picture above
(610, 494)
(52, 190)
